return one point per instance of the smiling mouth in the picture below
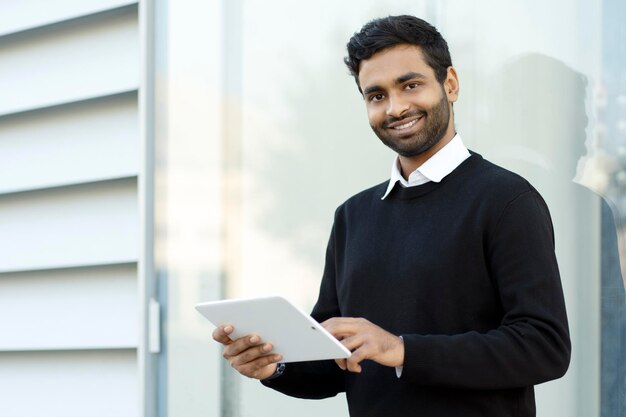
(407, 125)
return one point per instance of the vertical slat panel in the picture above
(68, 384)
(69, 215)
(80, 308)
(26, 14)
(83, 142)
(82, 60)
(85, 225)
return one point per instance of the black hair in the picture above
(385, 32)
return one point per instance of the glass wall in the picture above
(264, 134)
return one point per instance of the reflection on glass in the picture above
(295, 144)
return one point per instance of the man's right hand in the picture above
(247, 354)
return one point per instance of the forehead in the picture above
(387, 65)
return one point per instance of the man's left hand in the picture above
(366, 341)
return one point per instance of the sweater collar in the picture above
(434, 169)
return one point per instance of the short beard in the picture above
(437, 120)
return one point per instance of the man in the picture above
(442, 281)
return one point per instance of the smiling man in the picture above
(412, 112)
(442, 281)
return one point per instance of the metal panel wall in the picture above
(73, 226)
(70, 231)
(82, 142)
(69, 62)
(69, 384)
(80, 308)
(18, 16)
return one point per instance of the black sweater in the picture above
(465, 271)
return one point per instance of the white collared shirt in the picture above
(434, 169)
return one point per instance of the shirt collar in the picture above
(434, 169)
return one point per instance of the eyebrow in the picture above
(409, 76)
(400, 80)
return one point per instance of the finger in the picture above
(353, 342)
(341, 363)
(356, 368)
(260, 368)
(353, 362)
(337, 321)
(251, 354)
(221, 334)
(344, 326)
(240, 345)
(344, 320)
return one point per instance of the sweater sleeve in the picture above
(315, 379)
(531, 345)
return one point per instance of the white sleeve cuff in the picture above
(399, 368)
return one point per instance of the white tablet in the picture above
(294, 334)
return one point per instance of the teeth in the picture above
(406, 125)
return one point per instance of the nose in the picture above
(396, 106)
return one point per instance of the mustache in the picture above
(414, 113)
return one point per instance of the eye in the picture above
(376, 97)
(411, 86)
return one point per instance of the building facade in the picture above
(155, 154)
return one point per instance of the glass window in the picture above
(265, 134)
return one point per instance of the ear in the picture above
(451, 85)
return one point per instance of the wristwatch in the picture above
(280, 368)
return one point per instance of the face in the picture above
(408, 109)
